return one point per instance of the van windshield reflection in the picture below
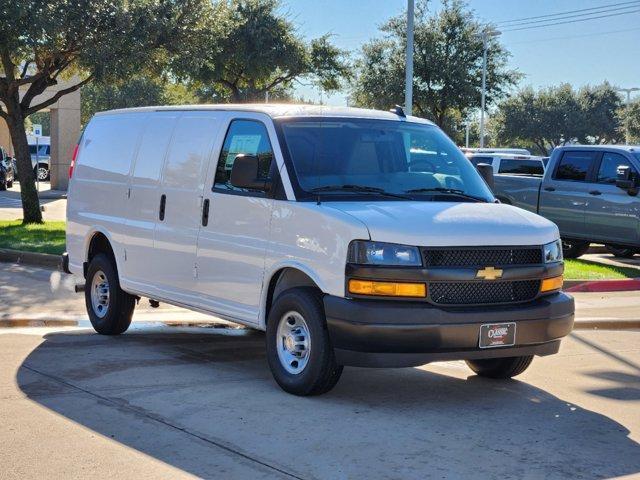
(389, 159)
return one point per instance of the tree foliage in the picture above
(558, 115)
(629, 118)
(43, 41)
(137, 91)
(448, 50)
(249, 49)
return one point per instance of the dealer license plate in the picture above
(497, 335)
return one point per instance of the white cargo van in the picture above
(353, 237)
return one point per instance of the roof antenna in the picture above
(398, 110)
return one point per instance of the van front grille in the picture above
(483, 292)
(481, 257)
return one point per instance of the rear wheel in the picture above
(109, 307)
(574, 248)
(299, 351)
(500, 367)
(622, 252)
(10, 184)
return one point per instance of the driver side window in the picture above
(248, 137)
(608, 171)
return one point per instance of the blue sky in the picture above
(579, 53)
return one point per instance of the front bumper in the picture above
(383, 333)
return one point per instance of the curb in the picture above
(31, 258)
(626, 285)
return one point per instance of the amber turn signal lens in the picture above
(387, 289)
(549, 284)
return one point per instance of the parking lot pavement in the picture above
(32, 295)
(174, 402)
(55, 207)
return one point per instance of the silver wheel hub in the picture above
(100, 294)
(42, 173)
(293, 342)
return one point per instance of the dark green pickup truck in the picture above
(589, 191)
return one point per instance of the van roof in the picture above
(279, 110)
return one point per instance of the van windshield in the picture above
(390, 159)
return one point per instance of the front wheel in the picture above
(109, 307)
(574, 248)
(500, 367)
(299, 351)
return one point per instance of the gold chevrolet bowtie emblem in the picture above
(489, 273)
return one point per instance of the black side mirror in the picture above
(486, 172)
(245, 173)
(626, 179)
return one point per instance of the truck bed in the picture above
(518, 190)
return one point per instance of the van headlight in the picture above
(553, 252)
(364, 252)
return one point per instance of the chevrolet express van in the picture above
(352, 237)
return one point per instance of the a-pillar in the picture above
(65, 132)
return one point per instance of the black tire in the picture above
(621, 252)
(574, 248)
(500, 367)
(115, 317)
(321, 372)
(10, 184)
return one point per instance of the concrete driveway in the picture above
(173, 402)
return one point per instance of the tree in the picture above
(250, 49)
(44, 41)
(600, 106)
(629, 118)
(447, 66)
(137, 91)
(557, 115)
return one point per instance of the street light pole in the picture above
(485, 45)
(408, 86)
(628, 104)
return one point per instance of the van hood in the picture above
(440, 224)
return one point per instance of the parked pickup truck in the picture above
(590, 192)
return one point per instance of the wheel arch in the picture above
(283, 278)
(98, 241)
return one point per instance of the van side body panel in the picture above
(97, 199)
(313, 239)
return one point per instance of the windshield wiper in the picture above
(358, 189)
(451, 191)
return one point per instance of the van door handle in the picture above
(163, 203)
(550, 189)
(205, 212)
(595, 192)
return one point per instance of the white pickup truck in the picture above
(352, 237)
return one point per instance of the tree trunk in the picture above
(30, 201)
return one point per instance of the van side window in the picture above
(248, 137)
(607, 173)
(574, 166)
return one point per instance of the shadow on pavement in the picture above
(177, 394)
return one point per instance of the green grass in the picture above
(48, 237)
(586, 270)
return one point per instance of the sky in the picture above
(579, 53)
